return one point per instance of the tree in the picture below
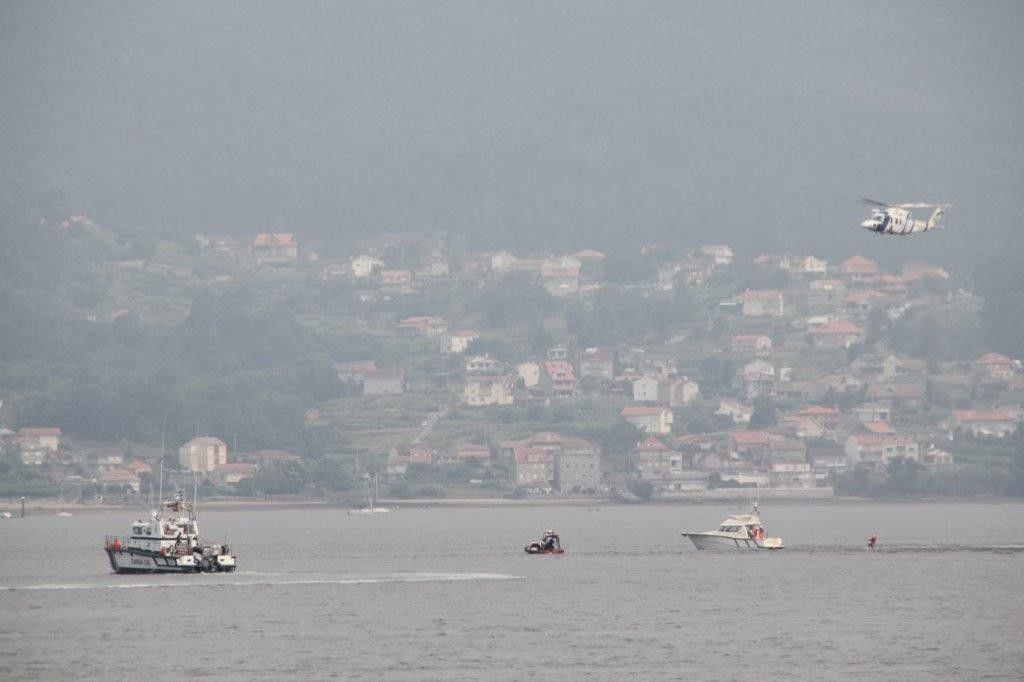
(513, 301)
(642, 489)
(716, 372)
(281, 478)
(619, 437)
(764, 413)
(902, 475)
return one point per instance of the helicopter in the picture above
(896, 218)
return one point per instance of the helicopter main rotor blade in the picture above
(872, 202)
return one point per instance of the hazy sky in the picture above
(753, 123)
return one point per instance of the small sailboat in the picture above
(370, 496)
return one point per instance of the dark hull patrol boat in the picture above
(167, 543)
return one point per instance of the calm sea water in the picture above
(449, 594)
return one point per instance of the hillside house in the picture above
(119, 478)
(751, 344)
(529, 373)
(647, 390)
(874, 367)
(423, 325)
(933, 456)
(718, 254)
(364, 266)
(906, 394)
(758, 379)
(682, 391)
(396, 281)
(233, 473)
(105, 459)
(485, 388)
(649, 419)
(996, 423)
(858, 269)
(913, 272)
(577, 471)
(826, 462)
(822, 290)
(384, 382)
(483, 363)
(781, 449)
(876, 450)
(665, 468)
(873, 412)
(557, 379)
(39, 438)
(561, 278)
(762, 303)
(275, 247)
(809, 266)
(792, 475)
(739, 412)
(203, 454)
(826, 416)
(534, 467)
(267, 458)
(355, 371)
(836, 334)
(751, 446)
(995, 366)
(465, 453)
(401, 457)
(458, 341)
(802, 427)
(598, 363)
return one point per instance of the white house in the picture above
(529, 372)
(364, 266)
(649, 419)
(458, 341)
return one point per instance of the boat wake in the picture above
(267, 580)
(909, 549)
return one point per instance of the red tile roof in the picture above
(274, 239)
(858, 264)
(39, 431)
(749, 437)
(993, 359)
(640, 411)
(651, 444)
(984, 415)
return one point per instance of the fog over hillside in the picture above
(523, 124)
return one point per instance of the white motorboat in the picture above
(167, 543)
(742, 531)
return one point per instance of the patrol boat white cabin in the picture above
(168, 542)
